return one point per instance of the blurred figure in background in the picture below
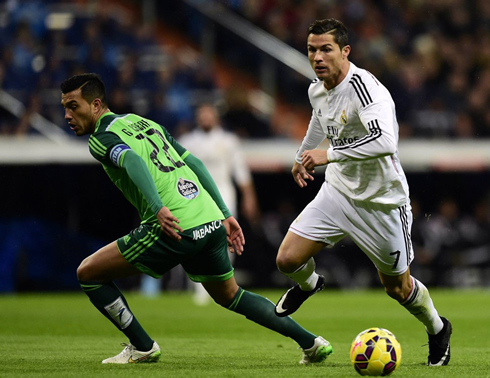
(220, 151)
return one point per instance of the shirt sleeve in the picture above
(111, 151)
(140, 175)
(379, 119)
(314, 136)
(101, 146)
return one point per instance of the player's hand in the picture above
(314, 158)
(300, 175)
(234, 234)
(168, 223)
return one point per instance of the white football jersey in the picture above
(359, 120)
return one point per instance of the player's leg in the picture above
(211, 266)
(295, 260)
(316, 227)
(96, 275)
(261, 311)
(384, 235)
(414, 296)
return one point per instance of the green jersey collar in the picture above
(97, 124)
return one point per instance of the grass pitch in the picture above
(63, 335)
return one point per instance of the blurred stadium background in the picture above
(162, 58)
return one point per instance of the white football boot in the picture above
(130, 355)
(318, 352)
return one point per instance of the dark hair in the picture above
(331, 26)
(91, 85)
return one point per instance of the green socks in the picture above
(109, 300)
(261, 311)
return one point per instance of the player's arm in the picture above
(314, 136)
(234, 232)
(111, 151)
(140, 175)
(379, 142)
(303, 162)
(201, 172)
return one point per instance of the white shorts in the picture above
(382, 232)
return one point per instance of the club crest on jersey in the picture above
(343, 118)
(187, 189)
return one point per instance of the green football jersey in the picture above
(178, 186)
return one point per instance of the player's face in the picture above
(78, 112)
(206, 118)
(327, 59)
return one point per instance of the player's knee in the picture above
(223, 301)
(223, 293)
(285, 260)
(225, 298)
(84, 271)
(286, 263)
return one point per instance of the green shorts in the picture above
(202, 251)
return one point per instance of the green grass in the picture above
(62, 335)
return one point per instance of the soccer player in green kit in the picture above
(183, 221)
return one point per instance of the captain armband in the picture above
(117, 152)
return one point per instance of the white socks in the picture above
(420, 305)
(305, 275)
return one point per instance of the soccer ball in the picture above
(375, 351)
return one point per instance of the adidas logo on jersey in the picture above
(319, 113)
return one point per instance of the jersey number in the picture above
(397, 258)
(156, 151)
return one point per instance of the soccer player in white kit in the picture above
(365, 194)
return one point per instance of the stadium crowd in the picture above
(41, 46)
(433, 55)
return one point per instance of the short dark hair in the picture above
(91, 85)
(331, 26)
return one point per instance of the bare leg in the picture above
(295, 260)
(107, 264)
